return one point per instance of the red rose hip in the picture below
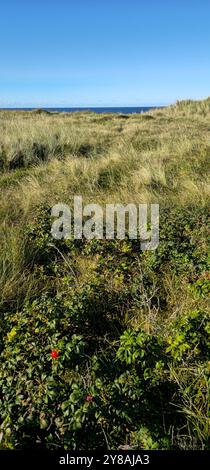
(54, 354)
(89, 398)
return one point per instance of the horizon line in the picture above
(86, 107)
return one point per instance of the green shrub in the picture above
(191, 338)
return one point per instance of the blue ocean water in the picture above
(121, 110)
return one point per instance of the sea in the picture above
(120, 110)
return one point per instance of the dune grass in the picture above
(107, 295)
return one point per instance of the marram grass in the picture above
(130, 329)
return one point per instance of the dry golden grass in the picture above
(160, 157)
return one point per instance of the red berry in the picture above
(54, 354)
(89, 398)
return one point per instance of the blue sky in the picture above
(103, 52)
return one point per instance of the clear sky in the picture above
(103, 52)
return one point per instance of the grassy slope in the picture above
(160, 157)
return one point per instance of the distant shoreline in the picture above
(98, 110)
